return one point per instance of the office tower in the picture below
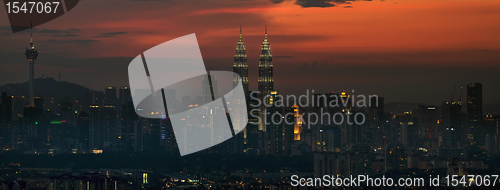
(452, 123)
(408, 131)
(475, 112)
(110, 95)
(359, 159)
(297, 126)
(102, 126)
(266, 81)
(209, 91)
(97, 98)
(82, 127)
(275, 128)
(395, 157)
(128, 117)
(328, 139)
(31, 54)
(125, 95)
(240, 66)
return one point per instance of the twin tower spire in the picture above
(266, 82)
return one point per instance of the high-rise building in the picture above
(452, 123)
(128, 117)
(240, 66)
(297, 127)
(395, 157)
(209, 88)
(102, 126)
(266, 81)
(359, 159)
(125, 95)
(31, 54)
(475, 112)
(110, 95)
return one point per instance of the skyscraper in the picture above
(31, 54)
(452, 123)
(110, 95)
(266, 81)
(475, 111)
(125, 95)
(395, 157)
(240, 66)
(102, 126)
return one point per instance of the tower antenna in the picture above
(266, 32)
(31, 31)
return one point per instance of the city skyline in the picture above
(197, 134)
(424, 48)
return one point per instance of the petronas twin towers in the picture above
(266, 81)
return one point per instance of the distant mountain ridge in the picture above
(48, 87)
(52, 91)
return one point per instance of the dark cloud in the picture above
(50, 31)
(315, 3)
(65, 35)
(277, 1)
(109, 35)
(6, 31)
(79, 42)
(320, 3)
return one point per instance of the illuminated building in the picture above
(451, 120)
(32, 112)
(395, 157)
(491, 124)
(145, 178)
(31, 54)
(346, 100)
(102, 126)
(359, 159)
(328, 139)
(110, 95)
(475, 112)
(240, 66)
(266, 81)
(125, 95)
(275, 127)
(297, 127)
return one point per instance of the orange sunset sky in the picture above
(410, 50)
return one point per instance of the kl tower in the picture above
(31, 54)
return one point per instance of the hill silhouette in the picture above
(52, 91)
